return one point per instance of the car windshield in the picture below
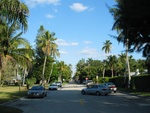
(110, 83)
(53, 85)
(37, 88)
(58, 82)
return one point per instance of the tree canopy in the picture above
(132, 21)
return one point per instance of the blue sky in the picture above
(81, 26)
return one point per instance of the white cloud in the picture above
(87, 42)
(55, 10)
(74, 43)
(90, 52)
(33, 3)
(61, 42)
(49, 16)
(78, 7)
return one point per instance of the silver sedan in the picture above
(97, 89)
(37, 91)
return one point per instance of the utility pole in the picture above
(127, 63)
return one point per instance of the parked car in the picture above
(37, 91)
(112, 86)
(53, 87)
(59, 84)
(97, 89)
(89, 82)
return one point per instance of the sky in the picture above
(81, 27)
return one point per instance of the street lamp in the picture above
(127, 63)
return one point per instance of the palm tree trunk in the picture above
(103, 72)
(50, 73)
(112, 73)
(24, 74)
(0, 77)
(44, 69)
(0, 70)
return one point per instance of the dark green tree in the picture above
(132, 22)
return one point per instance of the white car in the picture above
(112, 86)
(53, 87)
(96, 89)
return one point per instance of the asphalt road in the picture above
(69, 100)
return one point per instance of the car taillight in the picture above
(113, 86)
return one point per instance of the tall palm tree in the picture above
(54, 53)
(47, 44)
(14, 10)
(13, 46)
(107, 46)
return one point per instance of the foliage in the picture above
(14, 48)
(30, 82)
(13, 10)
(91, 68)
(132, 22)
(141, 83)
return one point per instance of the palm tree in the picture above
(104, 62)
(62, 67)
(14, 10)
(14, 47)
(54, 53)
(107, 46)
(121, 65)
(112, 61)
(46, 43)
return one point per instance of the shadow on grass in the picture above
(8, 109)
(136, 92)
(9, 96)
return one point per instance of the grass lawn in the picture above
(135, 92)
(8, 93)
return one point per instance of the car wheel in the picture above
(83, 92)
(106, 94)
(43, 95)
(98, 93)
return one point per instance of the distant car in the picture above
(97, 89)
(112, 86)
(84, 82)
(89, 82)
(37, 91)
(53, 87)
(59, 84)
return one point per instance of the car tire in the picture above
(98, 93)
(106, 94)
(83, 92)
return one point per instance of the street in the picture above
(69, 100)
